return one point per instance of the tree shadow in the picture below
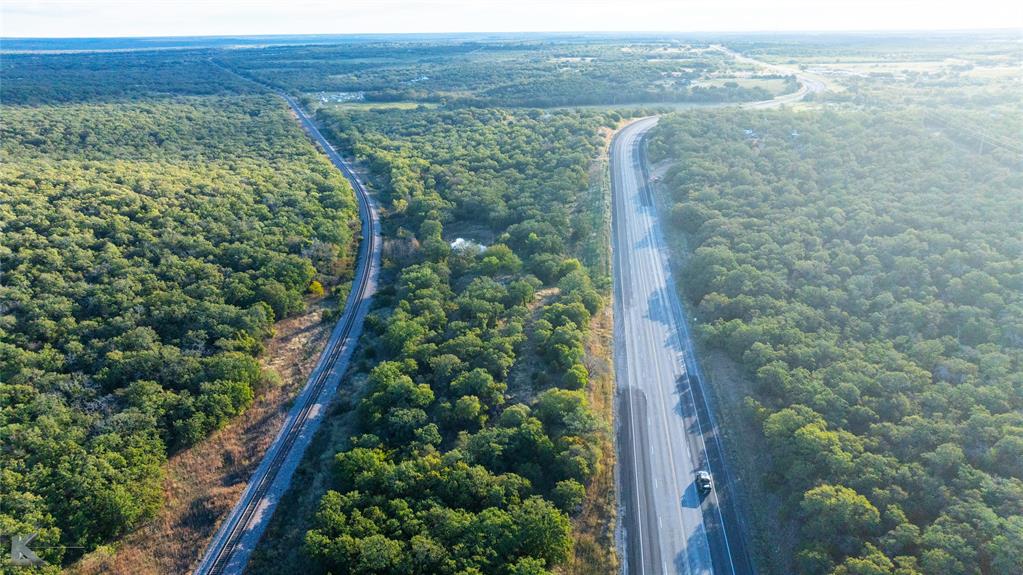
(687, 562)
(647, 241)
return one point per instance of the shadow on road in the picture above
(640, 517)
(647, 241)
(688, 563)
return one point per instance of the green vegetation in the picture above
(862, 265)
(774, 85)
(865, 270)
(158, 218)
(466, 73)
(967, 71)
(461, 467)
(102, 77)
(453, 73)
(147, 250)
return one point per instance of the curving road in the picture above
(232, 545)
(808, 84)
(665, 425)
(664, 428)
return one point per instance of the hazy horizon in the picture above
(505, 34)
(70, 19)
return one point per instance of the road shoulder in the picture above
(769, 538)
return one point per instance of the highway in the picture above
(232, 545)
(665, 425)
(665, 430)
(808, 84)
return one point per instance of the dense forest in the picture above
(533, 74)
(866, 271)
(859, 260)
(158, 218)
(475, 440)
(110, 76)
(456, 73)
(148, 247)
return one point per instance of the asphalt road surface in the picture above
(808, 83)
(666, 432)
(238, 534)
(665, 425)
(666, 428)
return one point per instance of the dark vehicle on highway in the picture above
(703, 482)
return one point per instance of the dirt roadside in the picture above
(202, 483)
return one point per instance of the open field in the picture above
(775, 86)
(378, 105)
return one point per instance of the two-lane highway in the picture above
(664, 426)
(808, 83)
(232, 545)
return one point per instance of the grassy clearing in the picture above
(773, 85)
(366, 105)
(203, 483)
(527, 368)
(594, 527)
(995, 72)
(888, 67)
(380, 105)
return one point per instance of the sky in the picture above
(112, 18)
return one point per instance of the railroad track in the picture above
(253, 505)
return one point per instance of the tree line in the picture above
(148, 249)
(475, 440)
(484, 74)
(867, 273)
(41, 78)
